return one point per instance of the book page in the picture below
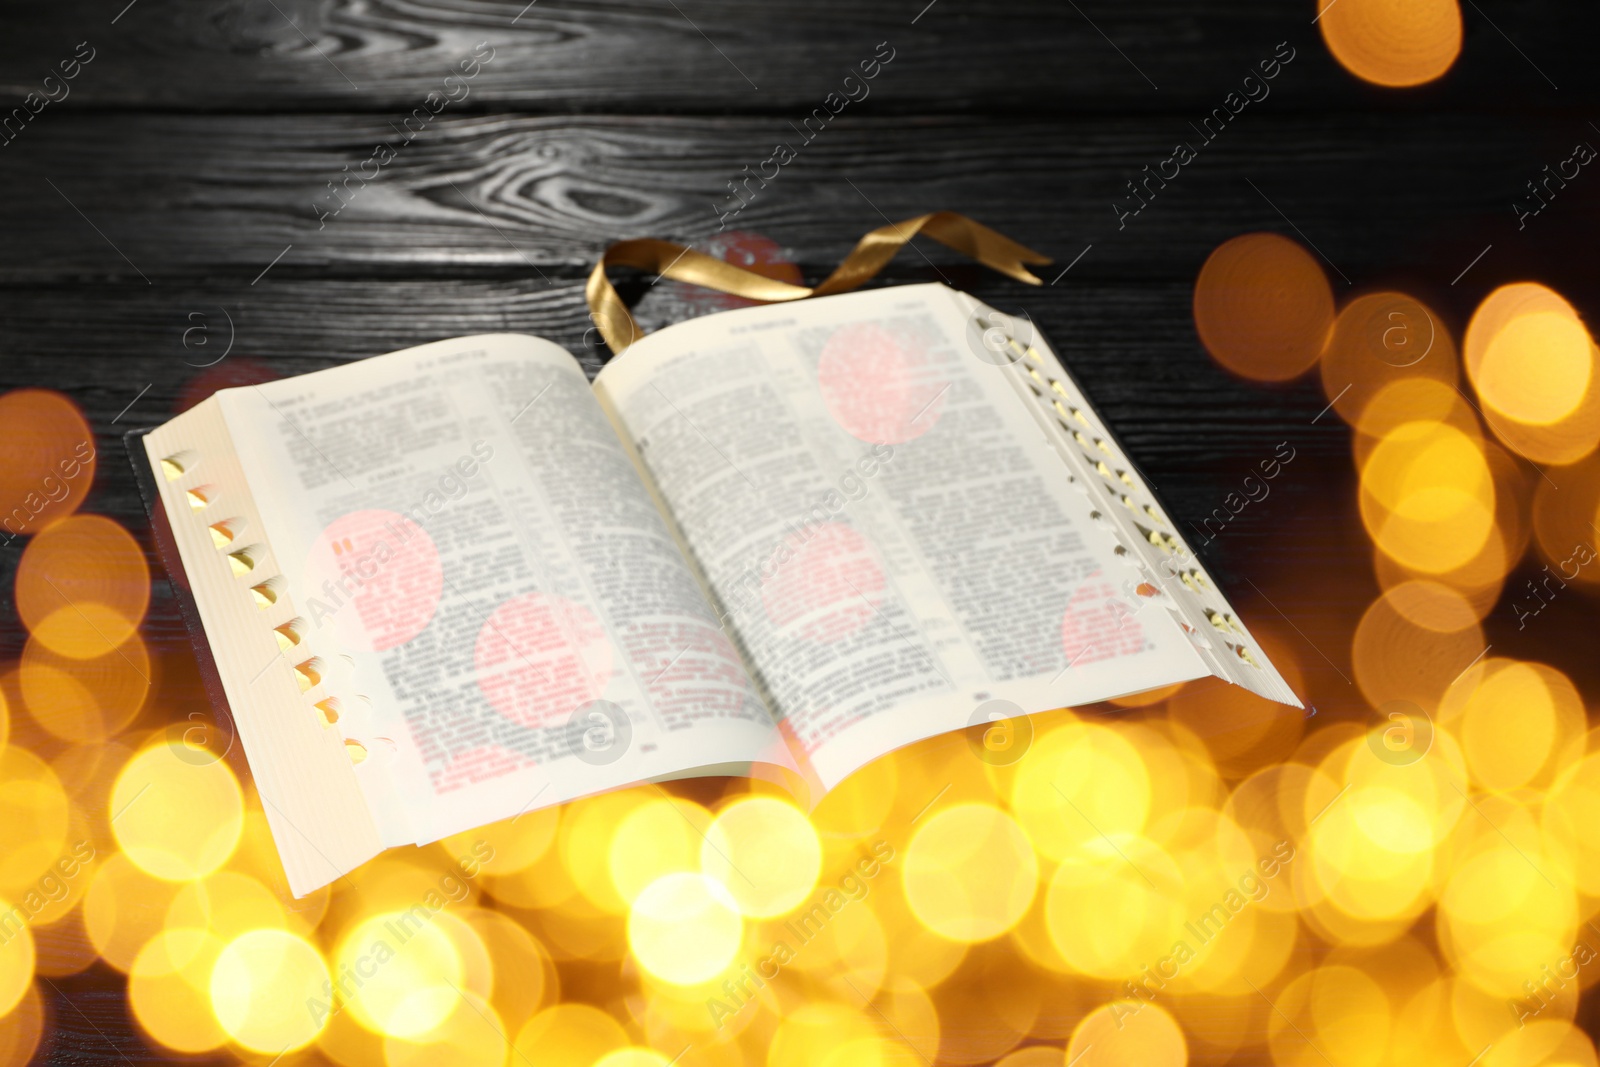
(887, 531)
(494, 600)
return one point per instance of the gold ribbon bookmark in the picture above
(870, 255)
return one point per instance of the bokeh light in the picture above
(472, 1035)
(1533, 363)
(1412, 642)
(82, 586)
(264, 988)
(1381, 339)
(175, 817)
(398, 973)
(21, 1029)
(85, 700)
(1263, 307)
(1519, 724)
(34, 820)
(1128, 1032)
(569, 1035)
(684, 928)
(16, 958)
(1395, 43)
(1135, 890)
(169, 989)
(970, 872)
(1078, 781)
(1427, 496)
(765, 853)
(124, 908)
(47, 460)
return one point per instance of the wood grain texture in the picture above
(156, 195)
(719, 56)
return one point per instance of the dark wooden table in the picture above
(177, 204)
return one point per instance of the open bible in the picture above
(451, 584)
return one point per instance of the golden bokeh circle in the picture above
(16, 957)
(569, 1035)
(176, 818)
(1534, 365)
(1393, 43)
(399, 973)
(969, 872)
(169, 989)
(83, 586)
(684, 928)
(47, 460)
(1380, 339)
(85, 700)
(263, 986)
(765, 853)
(35, 815)
(1263, 307)
(1128, 1032)
(472, 1035)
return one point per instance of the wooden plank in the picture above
(149, 196)
(718, 56)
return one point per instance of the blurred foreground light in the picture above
(83, 586)
(21, 1029)
(823, 1033)
(1571, 822)
(515, 844)
(470, 1036)
(399, 973)
(1136, 893)
(846, 953)
(1334, 1014)
(16, 956)
(34, 819)
(1504, 914)
(1372, 853)
(124, 908)
(88, 701)
(1078, 780)
(633, 1057)
(266, 988)
(765, 853)
(1533, 363)
(1520, 724)
(588, 827)
(525, 978)
(1128, 1032)
(684, 928)
(169, 989)
(47, 460)
(1379, 339)
(989, 1004)
(1427, 496)
(970, 872)
(569, 1035)
(1241, 732)
(661, 836)
(229, 903)
(1412, 642)
(1262, 307)
(176, 818)
(1396, 43)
